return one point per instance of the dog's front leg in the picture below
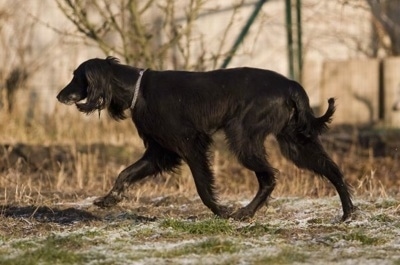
(204, 180)
(135, 172)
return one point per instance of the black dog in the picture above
(176, 113)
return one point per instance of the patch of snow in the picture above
(85, 203)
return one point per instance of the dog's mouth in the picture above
(70, 102)
(88, 105)
(73, 101)
(70, 99)
(80, 102)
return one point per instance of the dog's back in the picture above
(262, 100)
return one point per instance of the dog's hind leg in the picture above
(310, 154)
(155, 160)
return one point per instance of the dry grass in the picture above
(90, 171)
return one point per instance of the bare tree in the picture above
(150, 33)
(386, 22)
(19, 61)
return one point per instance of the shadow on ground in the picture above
(67, 216)
(47, 214)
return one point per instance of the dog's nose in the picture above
(59, 97)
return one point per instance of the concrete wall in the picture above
(391, 93)
(367, 91)
(355, 85)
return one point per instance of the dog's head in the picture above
(91, 88)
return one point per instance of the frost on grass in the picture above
(288, 231)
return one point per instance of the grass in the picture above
(383, 218)
(208, 246)
(55, 249)
(212, 226)
(256, 229)
(287, 255)
(363, 238)
(208, 240)
(45, 255)
(52, 250)
(24, 245)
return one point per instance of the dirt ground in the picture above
(179, 230)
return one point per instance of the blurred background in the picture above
(341, 48)
(347, 49)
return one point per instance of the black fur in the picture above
(177, 112)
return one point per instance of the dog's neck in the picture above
(137, 87)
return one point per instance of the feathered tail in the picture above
(306, 123)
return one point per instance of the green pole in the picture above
(289, 32)
(243, 33)
(299, 42)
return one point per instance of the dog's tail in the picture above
(321, 123)
(306, 123)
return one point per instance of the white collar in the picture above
(137, 87)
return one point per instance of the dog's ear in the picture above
(112, 60)
(98, 75)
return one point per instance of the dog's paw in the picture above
(225, 212)
(351, 215)
(107, 201)
(242, 214)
